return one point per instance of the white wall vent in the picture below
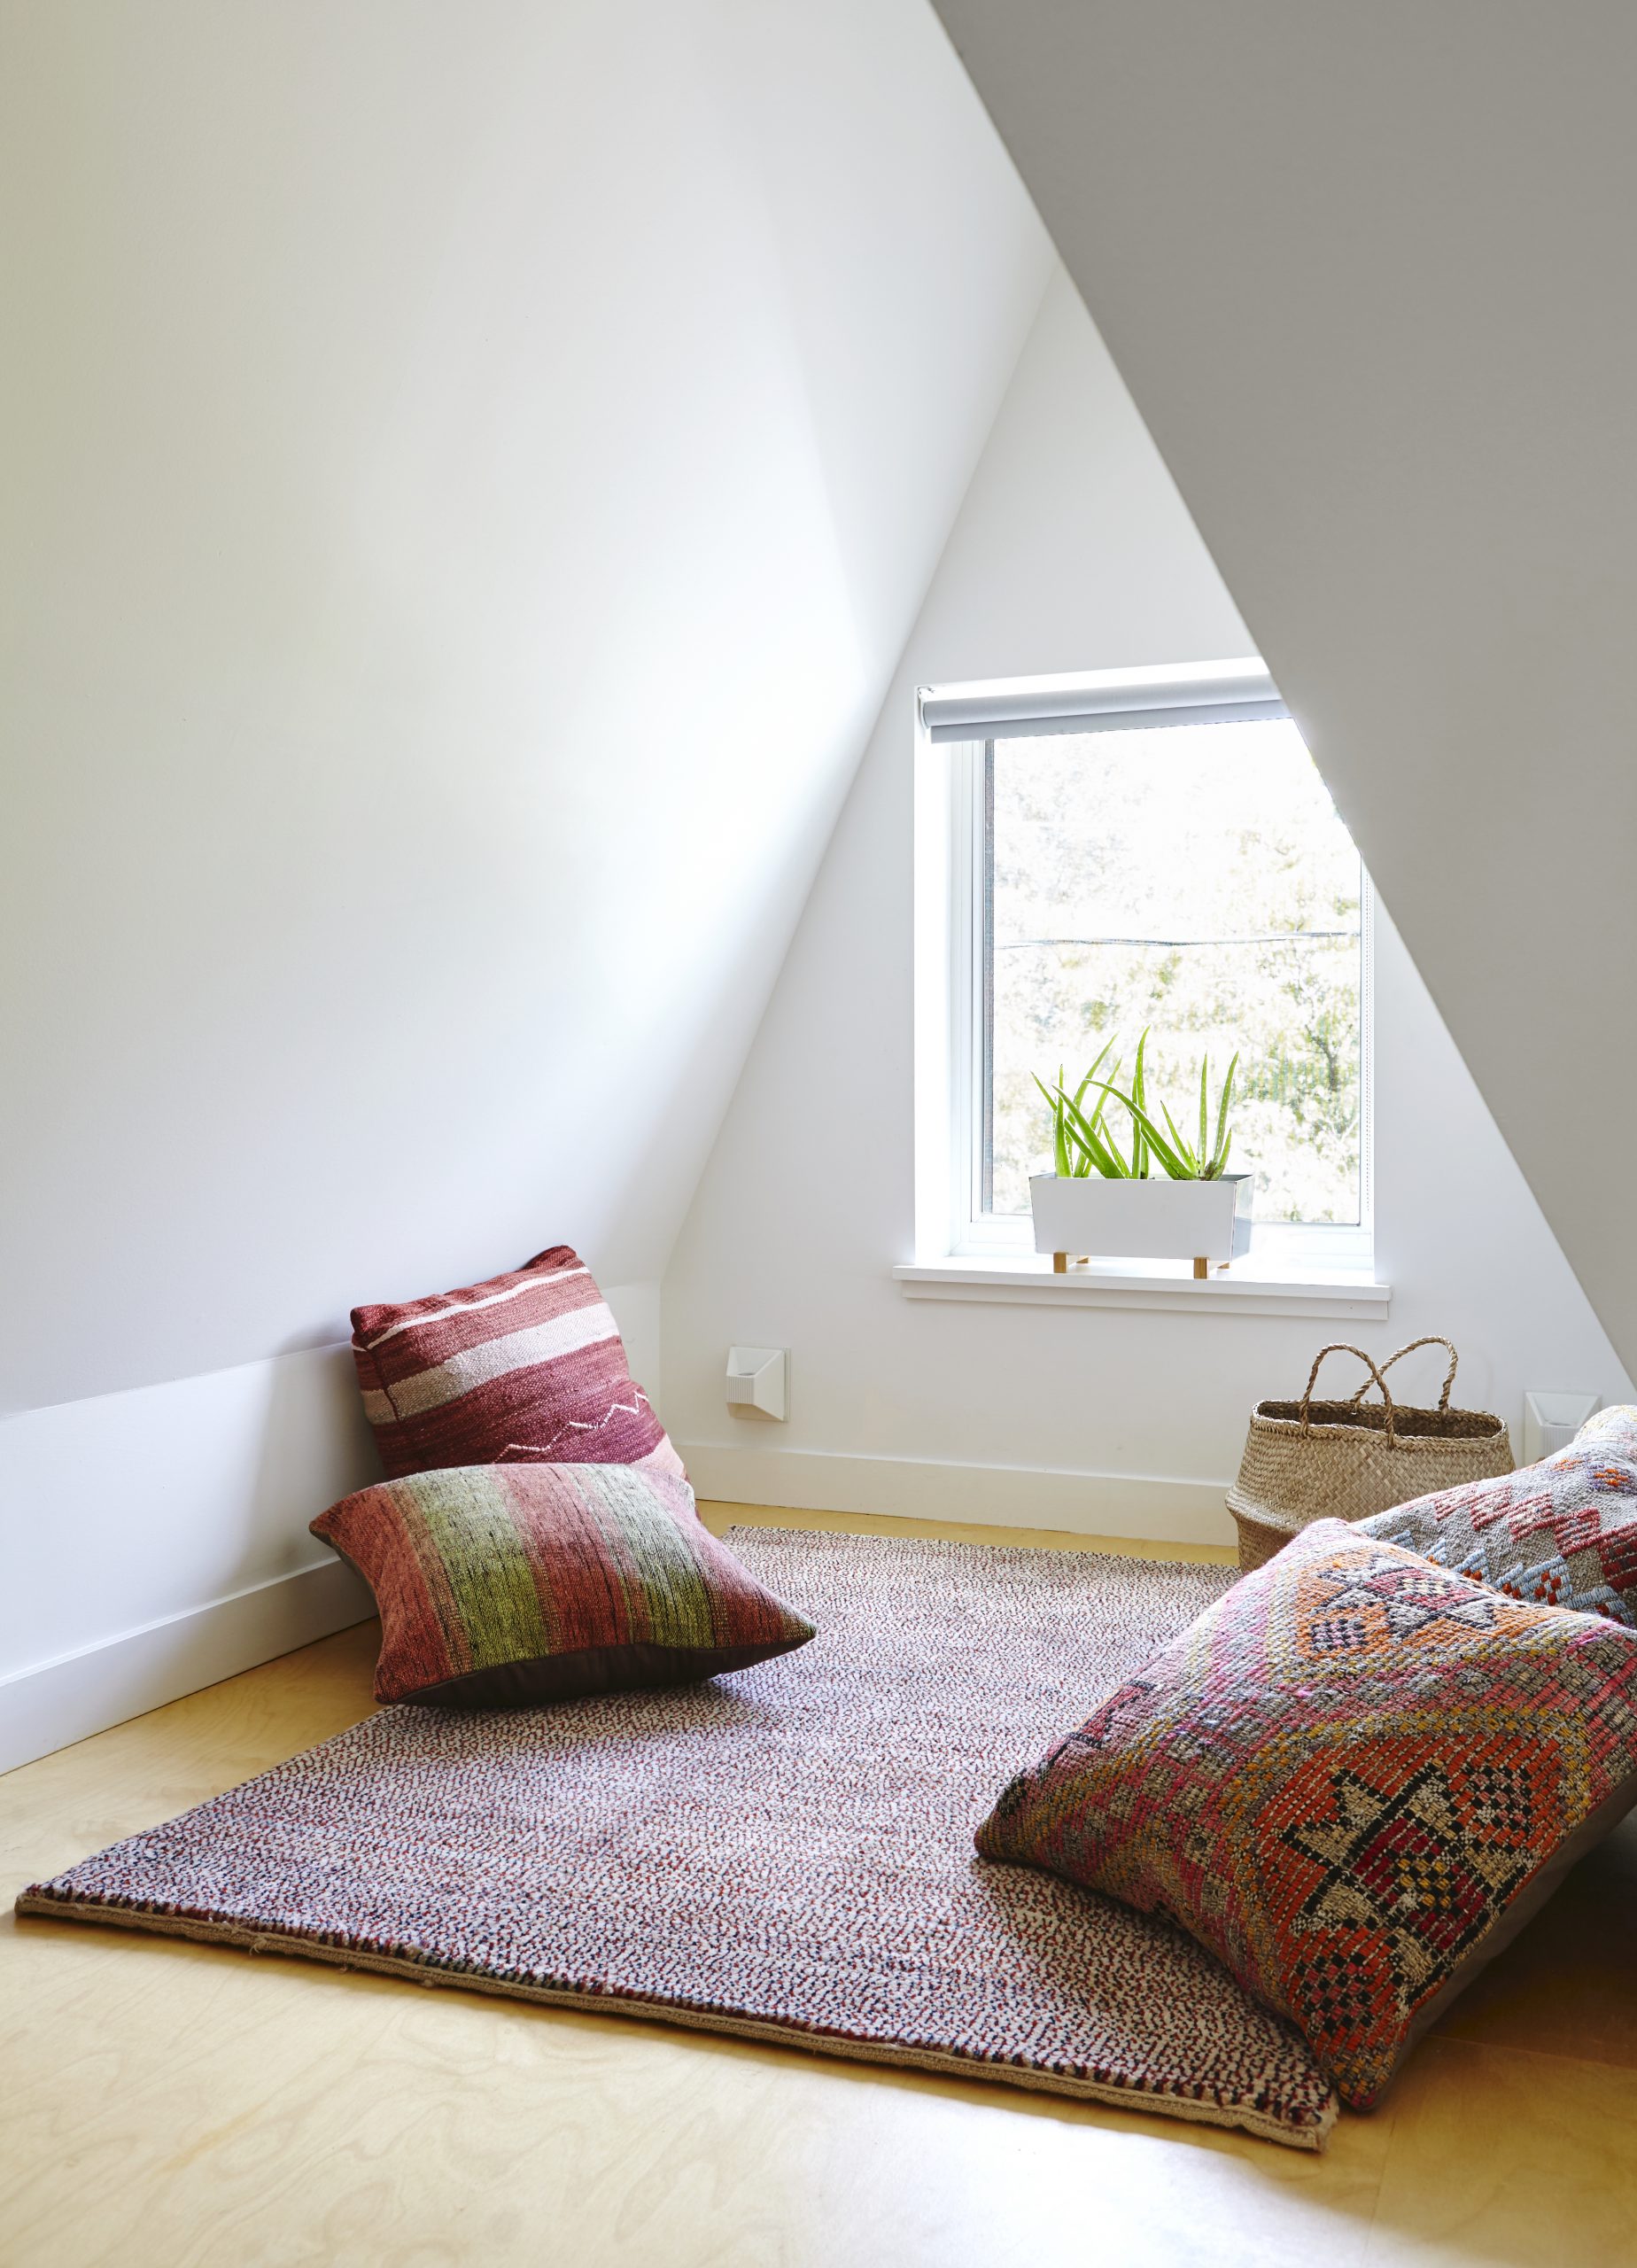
(757, 1382)
(1552, 1420)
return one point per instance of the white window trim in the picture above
(958, 1252)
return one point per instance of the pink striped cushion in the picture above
(527, 1368)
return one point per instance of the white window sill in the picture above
(1248, 1288)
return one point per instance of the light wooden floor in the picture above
(177, 2106)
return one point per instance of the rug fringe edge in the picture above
(767, 2032)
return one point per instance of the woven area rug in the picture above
(784, 1853)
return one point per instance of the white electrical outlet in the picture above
(1552, 1420)
(756, 1381)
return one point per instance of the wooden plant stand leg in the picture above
(1062, 1262)
(1202, 1269)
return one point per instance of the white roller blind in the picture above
(1110, 701)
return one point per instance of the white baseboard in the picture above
(54, 1703)
(1142, 1505)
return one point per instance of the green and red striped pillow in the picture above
(509, 1584)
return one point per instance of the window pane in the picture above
(1195, 879)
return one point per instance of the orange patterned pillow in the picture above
(1353, 1779)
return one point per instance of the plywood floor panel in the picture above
(169, 2105)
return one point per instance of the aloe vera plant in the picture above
(1085, 1143)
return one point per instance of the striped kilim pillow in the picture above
(1353, 1779)
(527, 1368)
(508, 1584)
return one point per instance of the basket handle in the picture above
(1434, 1339)
(1340, 1348)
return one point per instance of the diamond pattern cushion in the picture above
(1351, 1779)
(526, 1368)
(501, 1584)
(1562, 1533)
(1614, 1429)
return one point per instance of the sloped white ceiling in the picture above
(1367, 272)
(467, 475)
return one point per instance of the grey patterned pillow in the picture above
(1613, 1429)
(1562, 1533)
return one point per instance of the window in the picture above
(1150, 850)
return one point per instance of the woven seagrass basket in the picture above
(1312, 1460)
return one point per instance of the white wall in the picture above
(465, 478)
(1365, 271)
(1072, 551)
(156, 1539)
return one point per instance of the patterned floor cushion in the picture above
(1353, 1779)
(1562, 1533)
(1614, 1429)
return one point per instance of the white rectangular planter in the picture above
(1206, 1221)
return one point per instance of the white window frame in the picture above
(950, 820)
